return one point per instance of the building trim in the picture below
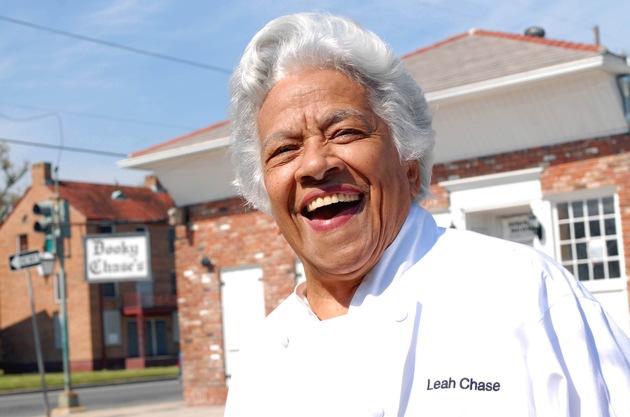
(146, 161)
(492, 179)
(605, 62)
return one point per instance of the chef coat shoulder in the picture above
(489, 262)
(509, 283)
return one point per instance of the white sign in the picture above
(24, 259)
(117, 257)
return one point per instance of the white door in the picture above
(243, 305)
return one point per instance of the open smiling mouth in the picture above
(326, 208)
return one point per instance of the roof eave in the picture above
(606, 62)
(146, 161)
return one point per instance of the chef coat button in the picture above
(376, 412)
(284, 341)
(401, 315)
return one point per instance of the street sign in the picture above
(24, 259)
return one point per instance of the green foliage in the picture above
(11, 382)
(11, 175)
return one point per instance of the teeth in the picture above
(330, 199)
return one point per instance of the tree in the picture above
(11, 175)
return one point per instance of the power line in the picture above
(115, 45)
(64, 148)
(43, 116)
(101, 116)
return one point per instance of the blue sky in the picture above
(56, 89)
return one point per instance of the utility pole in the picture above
(67, 398)
(55, 225)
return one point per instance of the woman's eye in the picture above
(347, 134)
(281, 150)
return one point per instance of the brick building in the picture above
(103, 318)
(533, 145)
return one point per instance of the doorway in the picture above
(516, 224)
(155, 338)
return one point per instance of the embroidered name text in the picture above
(464, 383)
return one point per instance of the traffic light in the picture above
(45, 224)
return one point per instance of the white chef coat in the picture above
(448, 323)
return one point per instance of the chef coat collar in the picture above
(416, 237)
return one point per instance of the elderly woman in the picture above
(397, 317)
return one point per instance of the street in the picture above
(94, 398)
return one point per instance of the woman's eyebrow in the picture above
(344, 114)
(275, 136)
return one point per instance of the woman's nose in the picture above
(316, 162)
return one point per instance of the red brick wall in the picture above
(541, 156)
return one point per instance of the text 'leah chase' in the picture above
(464, 383)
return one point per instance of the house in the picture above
(103, 318)
(533, 145)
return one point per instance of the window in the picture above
(112, 328)
(57, 289)
(110, 290)
(155, 337)
(22, 243)
(57, 323)
(589, 238)
(145, 290)
(175, 327)
(171, 240)
(173, 282)
(106, 228)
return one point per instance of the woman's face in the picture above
(338, 190)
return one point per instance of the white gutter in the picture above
(605, 62)
(489, 180)
(145, 161)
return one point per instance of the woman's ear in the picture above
(413, 176)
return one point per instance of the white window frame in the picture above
(594, 285)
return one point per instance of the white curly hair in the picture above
(318, 40)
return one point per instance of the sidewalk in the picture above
(168, 409)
